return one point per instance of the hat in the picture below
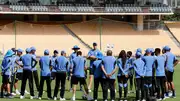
(28, 50)
(63, 52)
(138, 54)
(9, 53)
(94, 44)
(20, 50)
(56, 51)
(152, 50)
(75, 47)
(33, 49)
(46, 51)
(99, 55)
(167, 48)
(148, 50)
(139, 50)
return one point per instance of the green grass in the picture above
(68, 94)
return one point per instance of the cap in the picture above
(139, 50)
(75, 47)
(63, 52)
(99, 55)
(20, 50)
(94, 44)
(33, 49)
(152, 50)
(167, 48)
(28, 50)
(138, 54)
(46, 51)
(148, 50)
(9, 53)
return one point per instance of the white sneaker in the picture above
(55, 98)
(105, 100)
(89, 98)
(143, 100)
(62, 99)
(89, 90)
(17, 92)
(21, 97)
(121, 100)
(39, 98)
(112, 100)
(95, 100)
(73, 99)
(26, 92)
(31, 97)
(13, 94)
(125, 100)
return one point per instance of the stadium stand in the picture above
(174, 28)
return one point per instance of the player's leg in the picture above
(120, 83)
(162, 87)
(31, 85)
(41, 86)
(158, 80)
(172, 84)
(131, 83)
(56, 89)
(90, 79)
(48, 84)
(112, 89)
(125, 85)
(23, 84)
(138, 88)
(105, 89)
(36, 79)
(96, 86)
(63, 82)
(146, 90)
(74, 83)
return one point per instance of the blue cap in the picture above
(138, 54)
(28, 50)
(99, 55)
(46, 51)
(148, 50)
(75, 47)
(167, 48)
(33, 49)
(63, 52)
(20, 50)
(152, 50)
(9, 53)
(139, 50)
(94, 44)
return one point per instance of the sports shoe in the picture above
(17, 92)
(89, 90)
(62, 99)
(143, 100)
(21, 97)
(39, 98)
(26, 92)
(95, 100)
(159, 99)
(84, 97)
(55, 98)
(125, 100)
(31, 97)
(13, 94)
(173, 96)
(89, 98)
(73, 98)
(50, 98)
(105, 100)
(112, 100)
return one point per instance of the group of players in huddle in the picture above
(151, 73)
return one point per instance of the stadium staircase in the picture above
(76, 36)
(171, 35)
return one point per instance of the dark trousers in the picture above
(148, 87)
(12, 82)
(160, 86)
(36, 79)
(48, 83)
(97, 81)
(60, 78)
(139, 87)
(108, 83)
(27, 74)
(131, 81)
(122, 80)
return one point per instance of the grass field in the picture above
(68, 94)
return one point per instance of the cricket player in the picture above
(6, 67)
(45, 64)
(92, 57)
(171, 62)
(34, 70)
(53, 58)
(123, 74)
(160, 74)
(109, 68)
(97, 74)
(27, 61)
(149, 64)
(139, 67)
(78, 75)
(62, 68)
